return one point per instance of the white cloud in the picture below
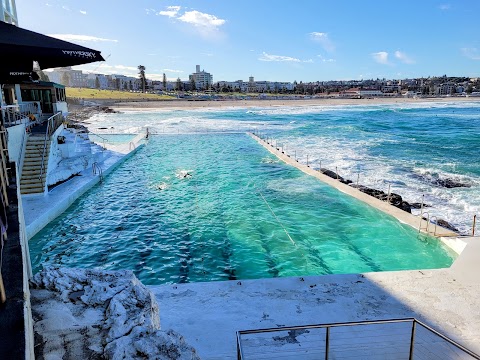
(404, 57)
(66, 8)
(381, 57)
(444, 7)
(80, 38)
(471, 53)
(326, 60)
(171, 11)
(323, 39)
(206, 25)
(83, 12)
(173, 71)
(47, 4)
(201, 20)
(310, 61)
(268, 57)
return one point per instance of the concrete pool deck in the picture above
(39, 210)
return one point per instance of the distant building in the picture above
(68, 77)
(8, 12)
(445, 89)
(203, 80)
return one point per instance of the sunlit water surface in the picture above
(241, 214)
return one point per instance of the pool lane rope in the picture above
(276, 217)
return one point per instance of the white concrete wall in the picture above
(60, 106)
(55, 155)
(15, 135)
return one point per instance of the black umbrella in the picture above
(19, 48)
(17, 77)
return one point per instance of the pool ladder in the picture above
(428, 220)
(96, 169)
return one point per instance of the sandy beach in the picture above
(188, 104)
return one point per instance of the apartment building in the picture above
(203, 80)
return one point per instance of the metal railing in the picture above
(96, 169)
(104, 140)
(21, 113)
(381, 339)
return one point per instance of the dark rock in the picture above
(446, 225)
(435, 180)
(418, 205)
(395, 199)
(449, 183)
(334, 175)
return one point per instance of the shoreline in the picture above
(239, 104)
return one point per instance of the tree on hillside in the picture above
(65, 79)
(97, 82)
(179, 84)
(164, 82)
(141, 75)
(192, 84)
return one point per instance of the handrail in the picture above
(328, 335)
(428, 221)
(105, 140)
(21, 113)
(96, 168)
(436, 223)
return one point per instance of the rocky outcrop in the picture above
(334, 175)
(449, 183)
(447, 225)
(394, 199)
(98, 314)
(436, 180)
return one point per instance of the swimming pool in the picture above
(242, 214)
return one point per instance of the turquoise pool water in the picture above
(216, 225)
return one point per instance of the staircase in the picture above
(31, 182)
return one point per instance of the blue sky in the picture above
(280, 40)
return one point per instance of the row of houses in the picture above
(202, 80)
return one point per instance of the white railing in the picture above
(24, 113)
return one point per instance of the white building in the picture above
(67, 77)
(203, 80)
(445, 89)
(8, 12)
